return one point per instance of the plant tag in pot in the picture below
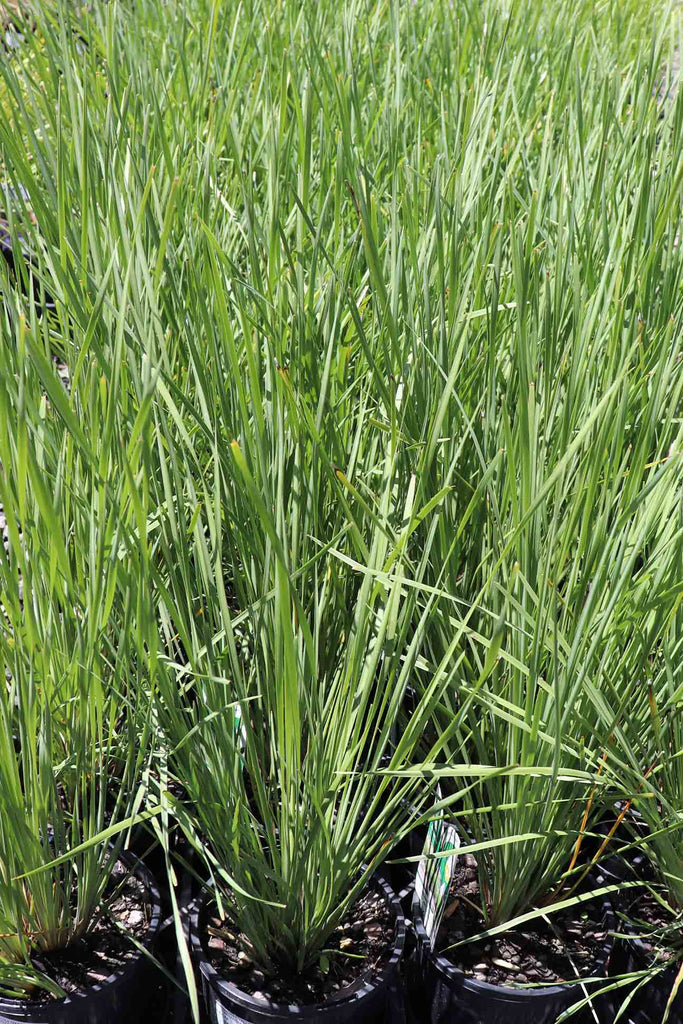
(224, 1016)
(433, 878)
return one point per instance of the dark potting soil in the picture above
(105, 948)
(536, 953)
(363, 940)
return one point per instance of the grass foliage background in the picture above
(373, 321)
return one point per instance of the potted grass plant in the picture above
(643, 715)
(554, 598)
(567, 582)
(534, 697)
(651, 919)
(279, 726)
(291, 629)
(78, 914)
(523, 887)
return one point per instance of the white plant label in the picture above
(433, 878)
(224, 1016)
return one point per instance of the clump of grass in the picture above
(75, 636)
(372, 322)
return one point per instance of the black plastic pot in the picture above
(617, 866)
(120, 999)
(450, 997)
(649, 1003)
(402, 876)
(369, 1000)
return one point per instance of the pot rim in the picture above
(366, 983)
(34, 1011)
